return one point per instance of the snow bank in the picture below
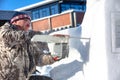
(71, 67)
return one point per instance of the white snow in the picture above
(87, 58)
(71, 67)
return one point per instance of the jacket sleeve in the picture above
(41, 58)
(13, 36)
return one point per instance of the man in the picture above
(18, 55)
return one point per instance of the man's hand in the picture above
(47, 59)
(55, 58)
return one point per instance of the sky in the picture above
(14, 4)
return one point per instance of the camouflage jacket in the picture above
(18, 55)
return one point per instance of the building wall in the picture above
(41, 25)
(58, 21)
(61, 20)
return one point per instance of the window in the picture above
(44, 12)
(54, 9)
(84, 7)
(76, 6)
(65, 7)
(115, 24)
(40, 12)
(35, 14)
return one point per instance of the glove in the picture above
(47, 59)
(56, 58)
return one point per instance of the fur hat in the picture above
(20, 15)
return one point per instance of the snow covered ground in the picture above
(71, 67)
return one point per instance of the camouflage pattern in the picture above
(18, 55)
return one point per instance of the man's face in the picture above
(23, 24)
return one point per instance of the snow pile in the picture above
(71, 67)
